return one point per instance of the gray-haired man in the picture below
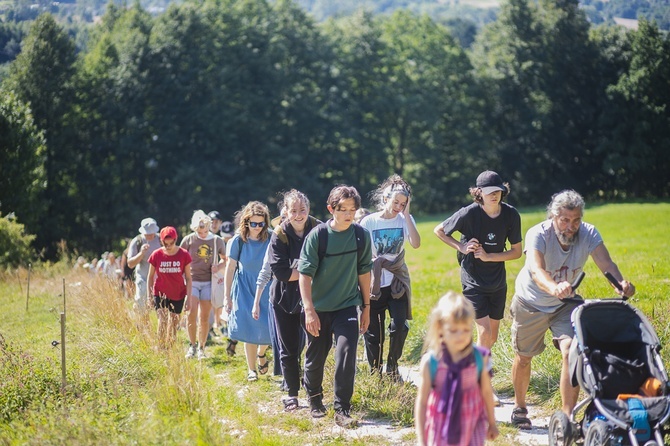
(556, 251)
(139, 251)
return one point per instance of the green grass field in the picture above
(123, 389)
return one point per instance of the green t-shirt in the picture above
(335, 278)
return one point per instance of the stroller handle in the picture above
(575, 284)
(578, 280)
(616, 284)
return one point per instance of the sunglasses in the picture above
(253, 224)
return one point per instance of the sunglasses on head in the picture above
(260, 224)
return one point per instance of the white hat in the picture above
(149, 226)
(198, 217)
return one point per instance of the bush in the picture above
(15, 246)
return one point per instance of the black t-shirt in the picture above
(492, 233)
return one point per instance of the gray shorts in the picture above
(530, 325)
(202, 290)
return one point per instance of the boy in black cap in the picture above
(485, 226)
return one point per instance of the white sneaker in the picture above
(190, 353)
(201, 354)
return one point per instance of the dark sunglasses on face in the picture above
(260, 224)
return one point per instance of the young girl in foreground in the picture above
(454, 403)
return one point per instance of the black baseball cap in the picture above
(489, 181)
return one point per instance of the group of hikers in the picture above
(295, 283)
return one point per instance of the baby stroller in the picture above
(614, 357)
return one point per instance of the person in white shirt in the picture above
(390, 290)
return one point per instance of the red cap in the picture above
(168, 232)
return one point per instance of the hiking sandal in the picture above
(520, 418)
(290, 404)
(231, 347)
(263, 368)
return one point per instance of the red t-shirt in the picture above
(170, 273)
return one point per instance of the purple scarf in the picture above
(450, 400)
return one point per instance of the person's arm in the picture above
(487, 395)
(189, 281)
(601, 257)
(364, 284)
(256, 307)
(219, 261)
(134, 260)
(513, 253)
(231, 265)
(150, 282)
(264, 277)
(412, 231)
(536, 265)
(471, 246)
(124, 259)
(421, 402)
(312, 322)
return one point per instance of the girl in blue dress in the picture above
(245, 253)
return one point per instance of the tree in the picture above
(406, 87)
(113, 137)
(636, 123)
(41, 76)
(22, 148)
(539, 65)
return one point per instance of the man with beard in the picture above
(556, 251)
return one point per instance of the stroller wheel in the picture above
(561, 431)
(598, 434)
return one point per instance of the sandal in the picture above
(520, 418)
(290, 403)
(263, 368)
(231, 347)
(252, 376)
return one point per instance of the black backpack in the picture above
(322, 230)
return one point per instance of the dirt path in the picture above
(403, 436)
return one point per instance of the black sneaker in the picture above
(318, 410)
(343, 419)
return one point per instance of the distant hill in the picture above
(462, 17)
(477, 11)
(483, 11)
